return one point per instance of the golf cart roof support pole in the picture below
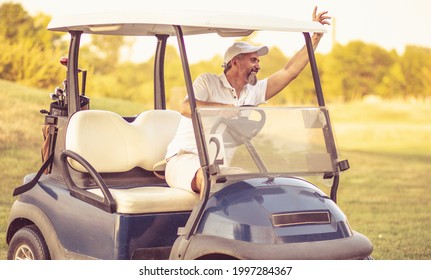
(159, 73)
(329, 136)
(314, 70)
(190, 93)
(196, 214)
(73, 102)
(334, 188)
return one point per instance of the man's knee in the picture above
(198, 181)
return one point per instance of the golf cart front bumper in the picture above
(355, 247)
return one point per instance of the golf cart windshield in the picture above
(290, 141)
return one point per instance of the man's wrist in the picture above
(315, 39)
(317, 36)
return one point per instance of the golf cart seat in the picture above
(111, 144)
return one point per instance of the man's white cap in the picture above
(242, 47)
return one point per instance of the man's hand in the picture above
(185, 106)
(230, 113)
(321, 17)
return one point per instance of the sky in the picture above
(391, 24)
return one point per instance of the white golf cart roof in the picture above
(157, 21)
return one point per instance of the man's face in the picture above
(248, 67)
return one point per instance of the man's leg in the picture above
(198, 181)
(183, 171)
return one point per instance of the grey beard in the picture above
(252, 79)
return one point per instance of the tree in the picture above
(393, 83)
(416, 68)
(103, 53)
(354, 71)
(27, 49)
(15, 22)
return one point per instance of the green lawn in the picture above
(385, 194)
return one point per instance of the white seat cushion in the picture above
(152, 199)
(111, 144)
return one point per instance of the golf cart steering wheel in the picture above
(241, 129)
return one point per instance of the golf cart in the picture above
(97, 195)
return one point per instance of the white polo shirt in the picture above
(214, 88)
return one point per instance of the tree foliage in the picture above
(26, 49)
(29, 54)
(416, 68)
(355, 70)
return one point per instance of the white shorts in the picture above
(181, 169)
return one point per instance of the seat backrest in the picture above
(111, 144)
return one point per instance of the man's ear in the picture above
(235, 62)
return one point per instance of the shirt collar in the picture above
(224, 81)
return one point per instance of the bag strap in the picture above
(157, 165)
(162, 164)
(28, 186)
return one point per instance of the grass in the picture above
(385, 194)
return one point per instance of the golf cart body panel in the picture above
(248, 211)
(98, 200)
(82, 231)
